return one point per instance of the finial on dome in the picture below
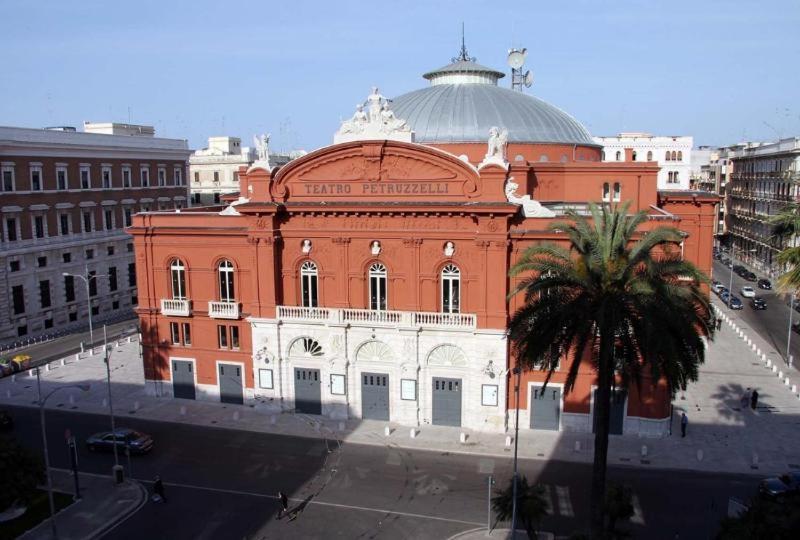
(463, 55)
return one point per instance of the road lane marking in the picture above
(564, 503)
(638, 516)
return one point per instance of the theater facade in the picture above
(369, 278)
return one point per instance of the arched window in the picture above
(606, 192)
(680, 155)
(225, 278)
(649, 156)
(674, 155)
(617, 192)
(667, 156)
(603, 155)
(377, 287)
(619, 155)
(633, 155)
(451, 289)
(178, 272)
(308, 284)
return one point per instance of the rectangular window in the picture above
(92, 278)
(174, 330)
(90, 254)
(87, 221)
(63, 224)
(86, 179)
(108, 218)
(13, 266)
(178, 177)
(22, 330)
(18, 296)
(44, 292)
(11, 229)
(110, 250)
(106, 177)
(216, 177)
(216, 198)
(95, 310)
(162, 177)
(115, 304)
(41, 262)
(222, 336)
(8, 179)
(187, 333)
(36, 179)
(145, 177)
(112, 278)
(132, 275)
(66, 257)
(69, 288)
(38, 226)
(196, 176)
(73, 316)
(134, 300)
(128, 215)
(234, 337)
(48, 323)
(126, 177)
(61, 179)
(129, 247)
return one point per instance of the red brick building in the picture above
(369, 278)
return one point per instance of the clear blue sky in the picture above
(721, 71)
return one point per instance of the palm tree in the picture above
(786, 224)
(531, 504)
(618, 307)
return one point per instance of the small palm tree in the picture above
(626, 306)
(786, 224)
(531, 504)
(618, 507)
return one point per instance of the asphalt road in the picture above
(772, 324)
(222, 483)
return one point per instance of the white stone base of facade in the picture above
(582, 423)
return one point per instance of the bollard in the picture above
(462, 438)
(755, 461)
(758, 352)
(699, 455)
(753, 346)
(508, 441)
(135, 405)
(272, 420)
(644, 450)
(62, 362)
(91, 351)
(769, 362)
(71, 399)
(47, 367)
(8, 393)
(105, 402)
(774, 368)
(786, 381)
(341, 426)
(748, 342)
(413, 433)
(577, 446)
(183, 410)
(387, 431)
(780, 374)
(130, 339)
(77, 357)
(235, 416)
(794, 389)
(32, 372)
(14, 378)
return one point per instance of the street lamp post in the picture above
(517, 372)
(86, 279)
(106, 359)
(42, 401)
(789, 331)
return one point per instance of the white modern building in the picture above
(673, 154)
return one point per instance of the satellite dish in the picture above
(528, 79)
(516, 58)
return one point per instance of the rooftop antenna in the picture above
(463, 55)
(519, 78)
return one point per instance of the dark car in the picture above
(735, 303)
(765, 284)
(6, 422)
(738, 269)
(758, 303)
(749, 276)
(796, 327)
(781, 485)
(139, 443)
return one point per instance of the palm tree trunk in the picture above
(602, 408)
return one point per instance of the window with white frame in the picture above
(377, 287)
(7, 173)
(162, 176)
(308, 284)
(649, 156)
(87, 221)
(36, 177)
(618, 155)
(39, 224)
(178, 272)
(12, 232)
(106, 176)
(108, 218)
(144, 175)
(62, 180)
(126, 177)
(225, 278)
(606, 192)
(617, 192)
(63, 223)
(451, 289)
(86, 177)
(127, 213)
(177, 176)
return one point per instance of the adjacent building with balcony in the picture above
(763, 181)
(672, 153)
(369, 278)
(65, 200)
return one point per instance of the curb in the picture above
(132, 509)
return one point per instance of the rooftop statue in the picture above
(530, 207)
(262, 149)
(377, 122)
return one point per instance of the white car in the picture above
(748, 292)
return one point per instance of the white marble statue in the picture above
(357, 123)
(378, 121)
(390, 121)
(498, 141)
(449, 249)
(373, 102)
(306, 246)
(530, 207)
(262, 148)
(375, 248)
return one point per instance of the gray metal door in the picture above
(307, 391)
(617, 412)
(446, 402)
(545, 407)
(183, 379)
(230, 384)
(375, 396)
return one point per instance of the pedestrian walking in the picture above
(684, 423)
(719, 324)
(745, 399)
(158, 490)
(284, 500)
(754, 399)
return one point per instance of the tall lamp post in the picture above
(42, 401)
(107, 360)
(86, 278)
(517, 372)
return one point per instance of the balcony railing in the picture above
(369, 317)
(223, 310)
(175, 307)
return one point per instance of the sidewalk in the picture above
(721, 436)
(102, 506)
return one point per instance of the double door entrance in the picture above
(375, 396)
(307, 391)
(446, 402)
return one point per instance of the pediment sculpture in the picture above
(496, 148)
(377, 122)
(530, 207)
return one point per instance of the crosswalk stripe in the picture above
(637, 517)
(564, 503)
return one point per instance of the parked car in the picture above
(764, 284)
(739, 269)
(21, 362)
(735, 303)
(780, 485)
(724, 295)
(749, 276)
(796, 327)
(6, 367)
(138, 442)
(6, 422)
(748, 292)
(716, 286)
(758, 303)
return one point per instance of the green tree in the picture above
(20, 473)
(776, 519)
(531, 504)
(626, 304)
(618, 507)
(786, 225)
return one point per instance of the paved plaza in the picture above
(722, 436)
